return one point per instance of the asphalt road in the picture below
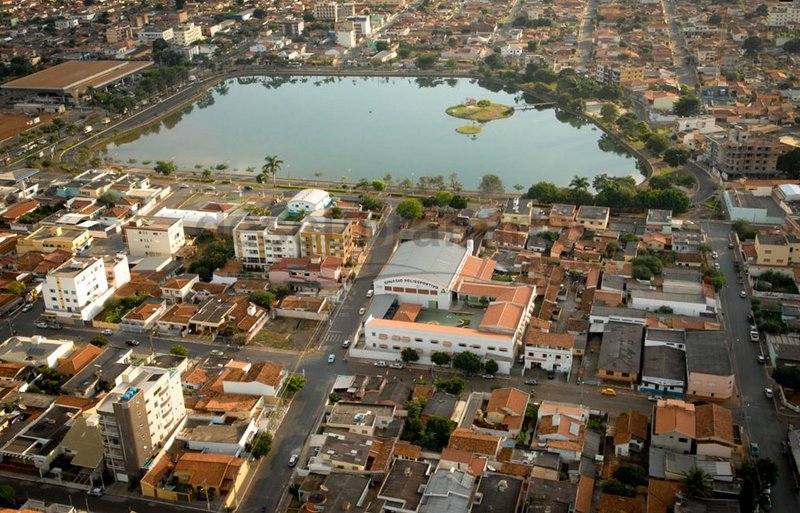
(764, 423)
(687, 74)
(586, 35)
(706, 183)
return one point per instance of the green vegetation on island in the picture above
(482, 111)
(469, 129)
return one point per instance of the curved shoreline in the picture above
(110, 134)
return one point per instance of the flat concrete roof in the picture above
(79, 75)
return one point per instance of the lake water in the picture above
(366, 127)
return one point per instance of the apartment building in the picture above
(743, 152)
(361, 25)
(292, 27)
(47, 239)
(119, 33)
(779, 250)
(258, 242)
(333, 11)
(327, 237)
(77, 289)
(154, 236)
(784, 15)
(187, 34)
(148, 35)
(614, 74)
(137, 417)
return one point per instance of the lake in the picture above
(366, 127)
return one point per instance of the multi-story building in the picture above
(779, 250)
(593, 218)
(743, 152)
(784, 15)
(615, 74)
(154, 236)
(50, 238)
(137, 417)
(548, 351)
(361, 25)
(148, 35)
(260, 241)
(327, 237)
(308, 201)
(332, 11)
(119, 33)
(187, 34)
(292, 27)
(77, 289)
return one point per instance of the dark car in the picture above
(766, 502)
(132, 342)
(248, 187)
(551, 374)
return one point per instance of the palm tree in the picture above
(697, 483)
(271, 168)
(579, 183)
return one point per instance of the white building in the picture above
(150, 34)
(35, 351)
(692, 304)
(548, 351)
(187, 34)
(259, 242)
(154, 236)
(784, 15)
(66, 24)
(361, 25)
(261, 379)
(703, 124)
(346, 38)
(332, 11)
(309, 200)
(118, 273)
(77, 289)
(138, 417)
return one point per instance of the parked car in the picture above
(331, 358)
(28, 307)
(743, 294)
(531, 382)
(362, 311)
(653, 398)
(730, 245)
(132, 342)
(185, 186)
(766, 502)
(346, 344)
(107, 331)
(370, 293)
(754, 450)
(248, 187)
(753, 334)
(396, 365)
(716, 266)
(380, 363)
(55, 326)
(217, 352)
(551, 374)
(293, 460)
(769, 393)
(714, 255)
(761, 359)
(96, 492)
(487, 376)
(609, 391)
(209, 188)
(42, 325)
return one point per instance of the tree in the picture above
(686, 106)
(715, 19)
(454, 183)
(179, 350)
(454, 385)
(762, 10)
(261, 445)
(271, 168)
(491, 185)
(370, 202)
(467, 361)
(494, 61)
(426, 61)
(336, 212)
(649, 261)
(657, 143)
(409, 355)
(295, 383)
(789, 162)
(676, 156)
(630, 474)
(609, 113)
(262, 298)
(442, 198)
(437, 433)
(99, 341)
(378, 185)
(409, 209)
(491, 367)
(8, 496)
(17, 288)
(440, 358)
(788, 377)
(697, 483)
(614, 487)
(580, 183)
(164, 167)
(753, 46)
(458, 202)
(544, 192)
(767, 471)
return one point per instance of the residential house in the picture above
(674, 426)
(505, 410)
(179, 288)
(48, 238)
(497, 492)
(517, 212)
(777, 250)
(548, 351)
(142, 319)
(176, 319)
(263, 379)
(309, 273)
(401, 490)
(562, 215)
(561, 429)
(659, 221)
(447, 491)
(714, 431)
(630, 433)
(593, 218)
(462, 439)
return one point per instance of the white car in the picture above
(714, 255)
(769, 393)
(370, 293)
(743, 294)
(185, 186)
(396, 365)
(42, 325)
(346, 344)
(380, 363)
(293, 460)
(28, 307)
(107, 331)
(96, 492)
(331, 358)
(362, 311)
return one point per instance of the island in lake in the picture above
(481, 111)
